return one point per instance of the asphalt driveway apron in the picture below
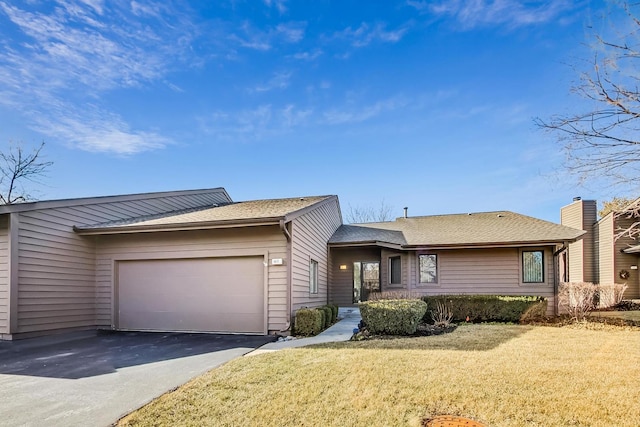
(95, 380)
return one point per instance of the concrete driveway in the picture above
(94, 380)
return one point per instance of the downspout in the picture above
(287, 235)
(556, 277)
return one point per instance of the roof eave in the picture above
(366, 243)
(62, 203)
(485, 245)
(198, 225)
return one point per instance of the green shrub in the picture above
(489, 308)
(309, 321)
(328, 315)
(393, 317)
(334, 312)
(323, 316)
(377, 296)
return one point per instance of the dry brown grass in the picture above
(501, 375)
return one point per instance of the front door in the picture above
(366, 279)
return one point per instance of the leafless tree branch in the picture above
(362, 214)
(603, 142)
(16, 166)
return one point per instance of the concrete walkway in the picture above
(341, 331)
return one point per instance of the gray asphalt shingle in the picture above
(461, 229)
(250, 210)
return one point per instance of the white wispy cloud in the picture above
(255, 124)
(268, 120)
(308, 56)
(511, 13)
(365, 34)
(73, 53)
(361, 113)
(278, 4)
(278, 81)
(292, 32)
(98, 131)
(250, 37)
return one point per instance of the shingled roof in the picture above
(364, 234)
(485, 228)
(254, 211)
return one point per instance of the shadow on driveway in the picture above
(109, 351)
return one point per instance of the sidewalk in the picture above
(341, 331)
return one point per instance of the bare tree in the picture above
(362, 214)
(603, 141)
(17, 166)
(628, 221)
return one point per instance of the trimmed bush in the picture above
(309, 321)
(334, 312)
(323, 315)
(489, 308)
(393, 317)
(377, 296)
(328, 315)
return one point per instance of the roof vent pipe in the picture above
(406, 210)
(577, 199)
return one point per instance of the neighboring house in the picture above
(197, 261)
(600, 257)
(172, 261)
(501, 253)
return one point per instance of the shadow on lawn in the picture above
(478, 337)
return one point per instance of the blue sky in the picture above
(419, 103)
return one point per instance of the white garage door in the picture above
(204, 295)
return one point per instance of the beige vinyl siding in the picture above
(625, 261)
(268, 241)
(590, 216)
(341, 286)
(385, 284)
(310, 233)
(485, 271)
(56, 270)
(582, 215)
(605, 250)
(4, 274)
(571, 216)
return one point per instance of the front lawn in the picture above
(501, 375)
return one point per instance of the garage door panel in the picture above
(209, 295)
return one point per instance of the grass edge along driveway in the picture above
(501, 375)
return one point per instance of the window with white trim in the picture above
(533, 266)
(313, 277)
(395, 270)
(428, 268)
